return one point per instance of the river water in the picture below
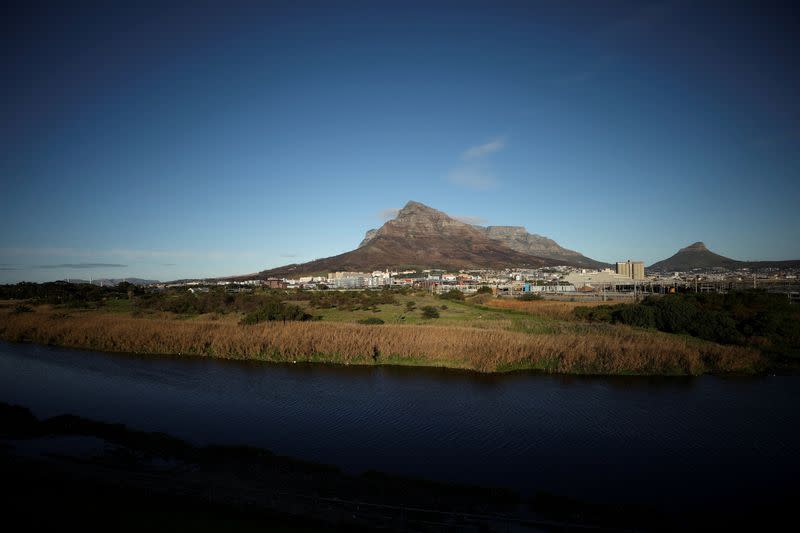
(671, 442)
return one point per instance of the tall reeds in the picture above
(548, 308)
(616, 350)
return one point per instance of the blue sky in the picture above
(221, 138)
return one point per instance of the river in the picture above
(671, 442)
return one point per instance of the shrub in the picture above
(371, 320)
(484, 289)
(430, 311)
(23, 309)
(634, 315)
(411, 305)
(275, 310)
(601, 313)
(747, 317)
(530, 297)
(453, 294)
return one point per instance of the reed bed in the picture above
(618, 350)
(548, 308)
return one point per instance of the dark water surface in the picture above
(664, 441)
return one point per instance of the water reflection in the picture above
(673, 439)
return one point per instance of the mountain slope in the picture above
(695, 256)
(421, 236)
(698, 256)
(517, 238)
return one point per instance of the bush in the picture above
(484, 289)
(430, 311)
(275, 310)
(410, 306)
(453, 294)
(745, 317)
(371, 320)
(601, 313)
(529, 297)
(634, 315)
(23, 309)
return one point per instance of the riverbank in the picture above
(488, 346)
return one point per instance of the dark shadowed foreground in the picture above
(99, 475)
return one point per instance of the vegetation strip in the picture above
(670, 335)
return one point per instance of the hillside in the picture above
(422, 237)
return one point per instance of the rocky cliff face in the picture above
(518, 238)
(368, 236)
(515, 237)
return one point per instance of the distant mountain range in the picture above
(423, 237)
(697, 255)
(107, 282)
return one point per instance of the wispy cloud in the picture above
(468, 219)
(84, 265)
(388, 213)
(126, 254)
(472, 177)
(8, 269)
(289, 255)
(474, 172)
(482, 150)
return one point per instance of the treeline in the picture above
(349, 300)
(68, 294)
(215, 300)
(274, 310)
(754, 318)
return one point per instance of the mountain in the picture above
(422, 237)
(698, 256)
(517, 238)
(694, 256)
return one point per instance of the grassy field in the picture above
(484, 335)
(450, 313)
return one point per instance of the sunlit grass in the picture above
(551, 309)
(455, 313)
(592, 350)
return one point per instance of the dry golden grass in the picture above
(617, 350)
(547, 308)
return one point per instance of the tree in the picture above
(430, 311)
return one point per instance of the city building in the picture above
(597, 279)
(631, 269)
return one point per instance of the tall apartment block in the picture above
(631, 269)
